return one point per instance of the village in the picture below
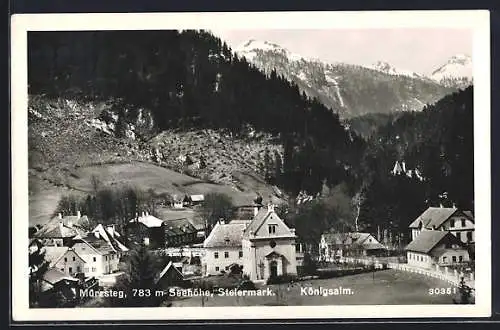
(257, 250)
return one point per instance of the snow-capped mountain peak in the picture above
(389, 69)
(250, 48)
(457, 68)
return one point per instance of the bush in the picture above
(281, 279)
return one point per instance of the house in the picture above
(159, 233)
(196, 199)
(459, 223)
(64, 259)
(101, 250)
(223, 247)
(268, 246)
(58, 288)
(432, 247)
(60, 231)
(336, 245)
(146, 229)
(178, 232)
(169, 276)
(400, 169)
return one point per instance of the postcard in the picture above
(241, 166)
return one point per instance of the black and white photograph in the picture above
(240, 165)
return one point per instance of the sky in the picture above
(420, 50)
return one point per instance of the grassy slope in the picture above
(65, 152)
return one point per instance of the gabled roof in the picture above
(110, 236)
(428, 239)
(197, 198)
(149, 221)
(433, 217)
(63, 227)
(273, 254)
(54, 253)
(99, 245)
(169, 268)
(469, 214)
(353, 238)
(54, 275)
(179, 226)
(225, 235)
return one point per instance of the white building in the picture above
(433, 247)
(264, 246)
(459, 223)
(64, 259)
(101, 250)
(223, 247)
(268, 246)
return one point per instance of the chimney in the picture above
(59, 215)
(255, 210)
(454, 206)
(96, 234)
(270, 207)
(143, 214)
(78, 215)
(111, 230)
(441, 205)
(147, 213)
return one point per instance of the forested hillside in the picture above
(438, 142)
(191, 79)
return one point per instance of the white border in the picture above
(477, 20)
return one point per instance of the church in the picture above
(263, 246)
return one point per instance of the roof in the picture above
(100, 245)
(240, 221)
(110, 236)
(469, 214)
(433, 217)
(149, 221)
(168, 268)
(353, 238)
(54, 253)
(197, 198)
(427, 240)
(179, 226)
(257, 221)
(65, 227)
(54, 275)
(224, 235)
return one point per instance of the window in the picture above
(452, 223)
(460, 258)
(83, 248)
(454, 259)
(272, 229)
(463, 222)
(78, 269)
(226, 254)
(62, 269)
(70, 269)
(86, 269)
(73, 258)
(469, 236)
(444, 259)
(227, 268)
(217, 269)
(93, 269)
(459, 236)
(216, 255)
(94, 258)
(105, 258)
(65, 259)
(240, 254)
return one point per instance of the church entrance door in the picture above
(273, 266)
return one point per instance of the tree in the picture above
(38, 266)
(215, 207)
(139, 281)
